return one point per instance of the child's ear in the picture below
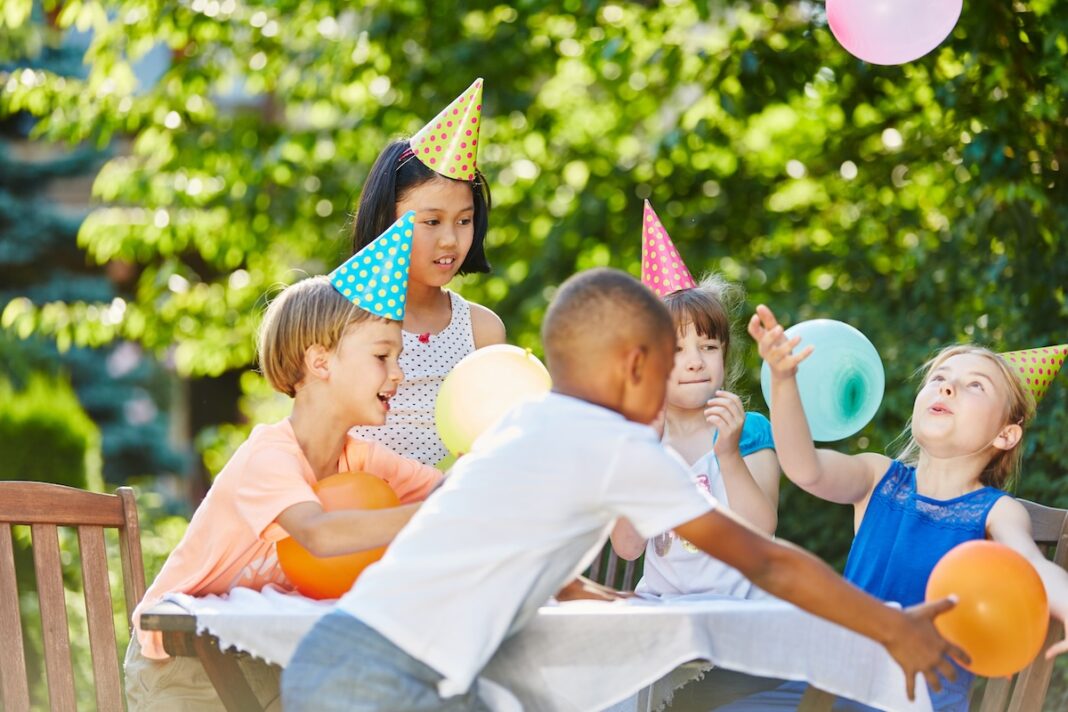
(317, 362)
(635, 362)
(1009, 437)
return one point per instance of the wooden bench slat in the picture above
(109, 695)
(133, 567)
(16, 693)
(45, 503)
(48, 565)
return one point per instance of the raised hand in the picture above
(773, 345)
(726, 414)
(918, 647)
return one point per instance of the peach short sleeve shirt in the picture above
(231, 538)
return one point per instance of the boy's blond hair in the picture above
(306, 313)
(1019, 408)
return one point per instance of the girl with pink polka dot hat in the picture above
(435, 174)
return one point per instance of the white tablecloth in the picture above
(587, 655)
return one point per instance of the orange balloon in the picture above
(332, 576)
(1002, 614)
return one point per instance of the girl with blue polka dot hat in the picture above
(434, 176)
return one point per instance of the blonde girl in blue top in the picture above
(967, 423)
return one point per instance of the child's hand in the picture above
(1057, 649)
(726, 414)
(773, 345)
(918, 647)
(583, 588)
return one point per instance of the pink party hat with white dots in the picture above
(663, 271)
(449, 144)
(1037, 367)
(376, 278)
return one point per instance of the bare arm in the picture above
(799, 577)
(626, 541)
(830, 475)
(343, 532)
(486, 327)
(1009, 523)
(726, 414)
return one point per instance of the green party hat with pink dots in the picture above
(376, 278)
(1037, 367)
(663, 270)
(449, 144)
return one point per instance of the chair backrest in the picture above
(1050, 529)
(611, 570)
(45, 507)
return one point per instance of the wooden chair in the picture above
(45, 507)
(611, 570)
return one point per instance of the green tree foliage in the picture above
(923, 203)
(40, 260)
(47, 437)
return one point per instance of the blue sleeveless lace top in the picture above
(901, 538)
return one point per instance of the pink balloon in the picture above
(891, 31)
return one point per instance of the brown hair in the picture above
(709, 307)
(306, 313)
(1019, 408)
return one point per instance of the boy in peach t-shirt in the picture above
(336, 355)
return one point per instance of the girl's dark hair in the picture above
(390, 180)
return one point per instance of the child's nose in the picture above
(946, 388)
(447, 237)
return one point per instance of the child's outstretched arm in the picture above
(799, 577)
(343, 532)
(829, 475)
(1009, 523)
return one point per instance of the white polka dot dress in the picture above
(426, 360)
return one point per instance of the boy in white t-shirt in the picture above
(529, 507)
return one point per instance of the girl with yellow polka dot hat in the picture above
(435, 175)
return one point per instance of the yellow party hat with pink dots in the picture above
(449, 144)
(376, 278)
(1037, 367)
(663, 271)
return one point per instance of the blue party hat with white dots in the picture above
(376, 278)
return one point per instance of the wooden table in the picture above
(180, 639)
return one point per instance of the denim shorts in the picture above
(343, 664)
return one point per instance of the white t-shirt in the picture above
(523, 513)
(674, 566)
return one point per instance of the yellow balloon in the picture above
(481, 388)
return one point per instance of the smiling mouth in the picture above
(385, 396)
(445, 261)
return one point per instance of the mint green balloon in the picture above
(841, 382)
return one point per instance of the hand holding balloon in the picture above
(1001, 618)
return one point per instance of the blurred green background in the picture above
(225, 143)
